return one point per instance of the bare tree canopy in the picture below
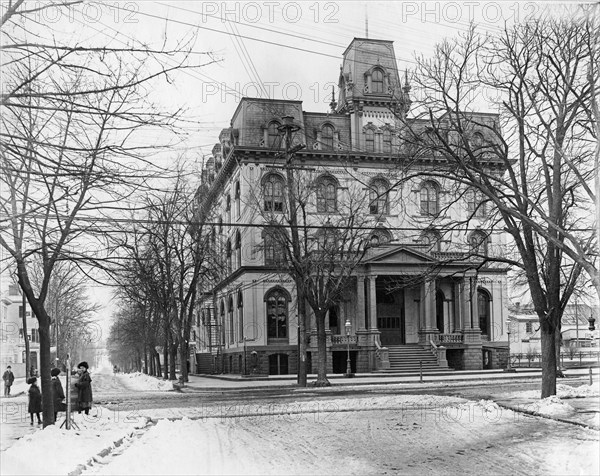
(533, 170)
(75, 125)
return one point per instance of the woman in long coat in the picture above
(58, 393)
(84, 388)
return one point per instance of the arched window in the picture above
(432, 239)
(274, 249)
(222, 323)
(273, 193)
(238, 248)
(273, 135)
(240, 311)
(237, 200)
(231, 326)
(483, 309)
(277, 313)
(220, 224)
(370, 140)
(377, 81)
(477, 140)
(326, 195)
(228, 253)
(228, 209)
(378, 196)
(327, 137)
(327, 240)
(478, 243)
(475, 204)
(387, 141)
(429, 198)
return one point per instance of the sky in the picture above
(275, 49)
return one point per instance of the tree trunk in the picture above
(322, 351)
(173, 362)
(183, 354)
(146, 370)
(45, 366)
(157, 366)
(302, 336)
(166, 359)
(548, 359)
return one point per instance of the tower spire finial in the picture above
(333, 103)
(366, 22)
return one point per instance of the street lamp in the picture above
(508, 367)
(348, 326)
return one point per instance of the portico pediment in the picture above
(398, 255)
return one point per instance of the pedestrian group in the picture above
(82, 392)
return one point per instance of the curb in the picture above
(548, 417)
(293, 386)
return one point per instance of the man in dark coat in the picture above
(58, 393)
(8, 378)
(84, 388)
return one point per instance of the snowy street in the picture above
(139, 425)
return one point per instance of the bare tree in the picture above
(68, 304)
(319, 239)
(72, 153)
(167, 256)
(532, 168)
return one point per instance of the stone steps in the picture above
(412, 358)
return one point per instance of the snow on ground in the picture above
(556, 406)
(566, 391)
(454, 437)
(375, 435)
(140, 381)
(55, 450)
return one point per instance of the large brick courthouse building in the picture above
(454, 317)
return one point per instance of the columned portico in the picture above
(429, 330)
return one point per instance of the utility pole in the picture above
(25, 335)
(288, 128)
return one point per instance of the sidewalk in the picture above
(231, 381)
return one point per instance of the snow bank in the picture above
(55, 450)
(565, 391)
(140, 381)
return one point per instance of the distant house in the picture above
(525, 328)
(12, 335)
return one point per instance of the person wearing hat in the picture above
(8, 378)
(58, 393)
(35, 400)
(84, 388)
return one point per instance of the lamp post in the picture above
(508, 367)
(348, 326)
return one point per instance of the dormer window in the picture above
(273, 135)
(377, 81)
(327, 137)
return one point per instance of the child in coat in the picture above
(35, 400)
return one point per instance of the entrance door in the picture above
(390, 317)
(439, 310)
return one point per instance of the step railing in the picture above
(450, 338)
(382, 356)
(440, 353)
